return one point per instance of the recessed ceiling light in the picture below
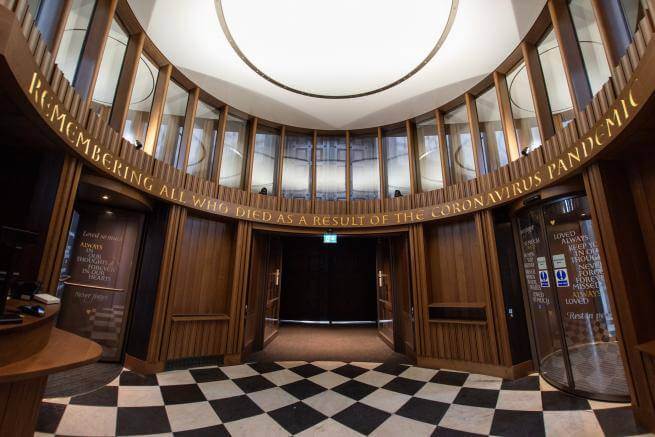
(105, 197)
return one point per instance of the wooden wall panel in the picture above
(197, 338)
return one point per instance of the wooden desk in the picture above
(29, 352)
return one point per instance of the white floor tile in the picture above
(329, 403)
(438, 392)
(468, 419)
(419, 373)
(329, 428)
(386, 400)
(282, 377)
(572, 423)
(81, 420)
(257, 426)
(374, 378)
(328, 379)
(272, 399)
(184, 417)
(240, 371)
(219, 389)
(137, 396)
(519, 400)
(175, 377)
(403, 426)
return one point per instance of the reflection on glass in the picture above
(364, 167)
(585, 310)
(138, 114)
(556, 83)
(234, 146)
(264, 166)
(297, 170)
(494, 151)
(331, 168)
(396, 161)
(547, 333)
(72, 41)
(172, 124)
(110, 69)
(33, 6)
(525, 120)
(591, 44)
(633, 10)
(461, 161)
(203, 141)
(429, 155)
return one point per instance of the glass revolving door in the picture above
(573, 327)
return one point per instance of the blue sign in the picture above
(562, 277)
(543, 278)
(330, 238)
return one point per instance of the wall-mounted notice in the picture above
(559, 261)
(562, 276)
(544, 279)
(541, 263)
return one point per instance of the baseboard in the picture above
(232, 359)
(645, 418)
(514, 372)
(143, 367)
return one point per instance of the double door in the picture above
(573, 330)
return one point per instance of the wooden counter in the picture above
(29, 352)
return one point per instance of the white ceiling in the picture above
(336, 47)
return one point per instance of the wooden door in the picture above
(271, 312)
(404, 314)
(256, 292)
(385, 292)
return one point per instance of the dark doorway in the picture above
(328, 282)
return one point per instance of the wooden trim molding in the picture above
(381, 166)
(348, 165)
(411, 153)
(474, 126)
(220, 139)
(280, 161)
(539, 93)
(187, 136)
(157, 109)
(252, 138)
(613, 29)
(506, 116)
(126, 80)
(443, 147)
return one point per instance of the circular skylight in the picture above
(336, 48)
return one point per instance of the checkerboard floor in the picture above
(329, 398)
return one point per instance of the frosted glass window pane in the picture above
(396, 159)
(522, 104)
(72, 40)
(492, 137)
(234, 146)
(331, 168)
(264, 166)
(297, 171)
(461, 161)
(364, 167)
(172, 124)
(110, 69)
(203, 141)
(429, 155)
(143, 91)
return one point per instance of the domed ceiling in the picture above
(336, 64)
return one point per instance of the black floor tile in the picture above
(618, 422)
(49, 417)
(361, 418)
(132, 378)
(142, 420)
(450, 378)
(212, 431)
(181, 394)
(391, 368)
(560, 401)
(208, 375)
(350, 371)
(477, 397)
(103, 397)
(297, 417)
(307, 370)
(404, 385)
(529, 383)
(303, 389)
(236, 408)
(424, 410)
(266, 367)
(354, 389)
(518, 423)
(254, 383)
(447, 432)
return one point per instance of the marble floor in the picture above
(329, 398)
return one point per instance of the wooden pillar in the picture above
(381, 166)
(613, 29)
(280, 161)
(187, 136)
(218, 153)
(60, 219)
(539, 93)
(443, 148)
(576, 73)
(126, 80)
(94, 46)
(52, 22)
(157, 110)
(506, 116)
(348, 165)
(420, 288)
(252, 136)
(474, 126)
(411, 154)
